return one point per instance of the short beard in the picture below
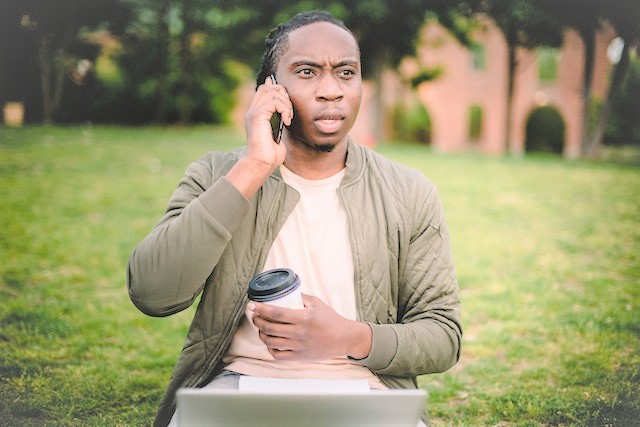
(318, 148)
(322, 148)
(303, 142)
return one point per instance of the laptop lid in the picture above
(227, 408)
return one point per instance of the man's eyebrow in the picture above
(346, 62)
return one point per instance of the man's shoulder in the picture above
(391, 171)
(218, 161)
(214, 156)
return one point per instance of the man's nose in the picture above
(329, 88)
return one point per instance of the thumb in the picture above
(309, 300)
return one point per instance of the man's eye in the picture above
(347, 73)
(305, 72)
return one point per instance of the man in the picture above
(367, 237)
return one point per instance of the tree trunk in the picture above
(594, 144)
(511, 72)
(59, 63)
(162, 50)
(44, 60)
(187, 81)
(589, 40)
(4, 23)
(52, 69)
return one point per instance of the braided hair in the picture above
(277, 41)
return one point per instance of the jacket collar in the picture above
(356, 160)
(354, 164)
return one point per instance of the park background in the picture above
(115, 98)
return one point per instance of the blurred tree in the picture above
(186, 79)
(9, 46)
(624, 125)
(624, 15)
(175, 62)
(388, 31)
(163, 37)
(139, 86)
(523, 25)
(586, 23)
(179, 59)
(50, 33)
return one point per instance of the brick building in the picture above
(467, 101)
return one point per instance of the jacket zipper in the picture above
(356, 266)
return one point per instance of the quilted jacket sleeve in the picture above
(169, 267)
(426, 337)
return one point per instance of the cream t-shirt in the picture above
(314, 243)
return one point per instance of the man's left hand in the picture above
(316, 332)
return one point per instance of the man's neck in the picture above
(310, 164)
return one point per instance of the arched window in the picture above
(478, 57)
(475, 122)
(545, 131)
(547, 64)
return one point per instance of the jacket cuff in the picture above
(230, 213)
(384, 346)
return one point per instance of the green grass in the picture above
(547, 252)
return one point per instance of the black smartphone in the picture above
(277, 125)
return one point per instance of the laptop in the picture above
(236, 408)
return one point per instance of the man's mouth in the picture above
(329, 123)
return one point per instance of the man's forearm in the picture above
(248, 175)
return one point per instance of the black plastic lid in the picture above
(273, 284)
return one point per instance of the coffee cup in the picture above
(279, 287)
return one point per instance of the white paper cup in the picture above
(279, 287)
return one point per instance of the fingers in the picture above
(268, 100)
(281, 339)
(275, 326)
(282, 348)
(279, 328)
(277, 343)
(274, 313)
(277, 94)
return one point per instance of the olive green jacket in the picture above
(212, 241)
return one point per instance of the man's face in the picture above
(321, 71)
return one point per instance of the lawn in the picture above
(547, 253)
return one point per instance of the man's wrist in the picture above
(362, 340)
(257, 166)
(248, 175)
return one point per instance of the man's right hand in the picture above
(270, 98)
(263, 154)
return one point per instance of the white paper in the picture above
(257, 384)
